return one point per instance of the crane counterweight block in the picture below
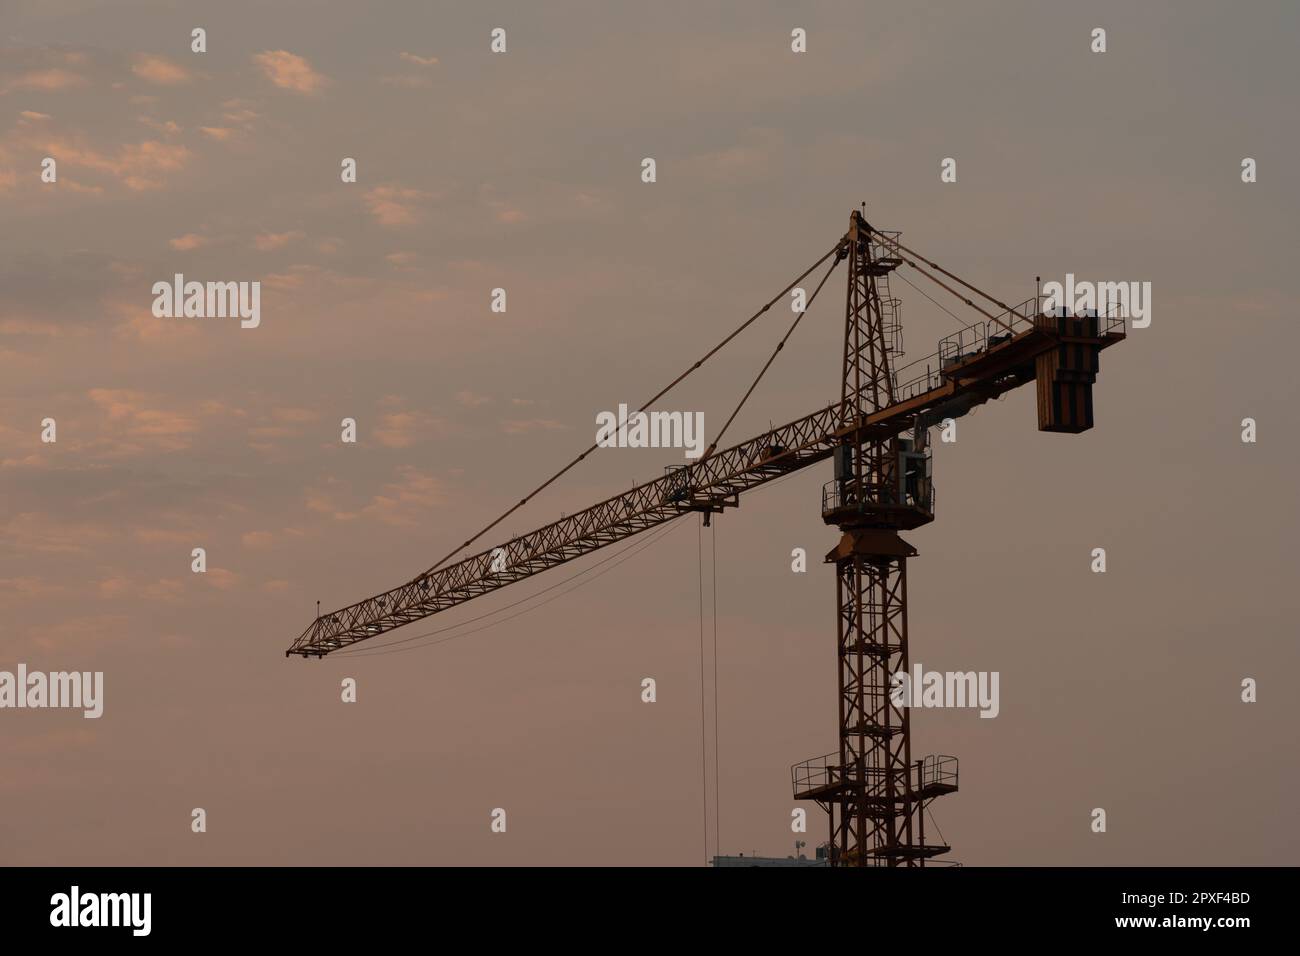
(1067, 372)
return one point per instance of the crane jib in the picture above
(708, 485)
(972, 366)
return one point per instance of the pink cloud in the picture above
(138, 166)
(268, 241)
(46, 81)
(522, 426)
(404, 429)
(289, 71)
(187, 242)
(133, 422)
(395, 205)
(160, 70)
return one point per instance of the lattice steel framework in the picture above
(875, 795)
(872, 808)
(875, 744)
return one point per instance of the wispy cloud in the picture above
(269, 241)
(401, 502)
(520, 426)
(187, 242)
(405, 428)
(44, 81)
(138, 166)
(134, 420)
(160, 70)
(395, 205)
(289, 71)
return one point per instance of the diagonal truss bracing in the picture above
(707, 485)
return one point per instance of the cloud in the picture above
(20, 590)
(256, 540)
(404, 501)
(239, 112)
(268, 241)
(45, 81)
(138, 166)
(31, 115)
(170, 127)
(402, 429)
(219, 133)
(323, 501)
(413, 81)
(289, 71)
(162, 536)
(160, 70)
(30, 532)
(516, 426)
(139, 323)
(282, 423)
(166, 590)
(395, 205)
(504, 211)
(757, 158)
(187, 242)
(133, 423)
(285, 281)
(471, 400)
(82, 635)
(220, 578)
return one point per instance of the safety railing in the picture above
(926, 373)
(938, 770)
(1105, 324)
(837, 495)
(1113, 323)
(920, 381)
(963, 344)
(816, 773)
(825, 771)
(884, 244)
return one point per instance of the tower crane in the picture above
(874, 793)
